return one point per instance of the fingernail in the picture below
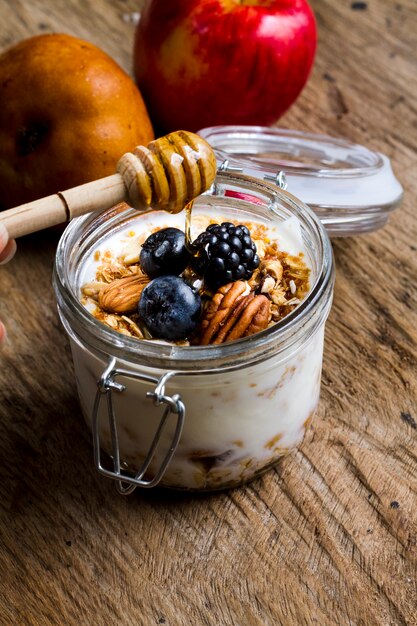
(4, 235)
(3, 334)
(8, 252)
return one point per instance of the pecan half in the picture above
(232, 314)
(122, 295)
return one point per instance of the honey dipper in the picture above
(169, 173)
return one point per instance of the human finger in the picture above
(3, 333)
(7, 246)
(8, 251)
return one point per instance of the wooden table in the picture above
(329, 536)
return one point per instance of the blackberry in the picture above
(225, 253)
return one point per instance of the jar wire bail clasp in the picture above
(107, 384)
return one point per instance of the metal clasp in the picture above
(279, 179)
(173, 405)
(226, 167)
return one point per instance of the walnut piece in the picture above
(231, 314)
(123, 294)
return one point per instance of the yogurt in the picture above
(246, 403)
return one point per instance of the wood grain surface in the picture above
(330, 535)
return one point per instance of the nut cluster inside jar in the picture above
(227, 311)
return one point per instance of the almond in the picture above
(122, 295)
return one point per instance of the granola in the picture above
(276, 287)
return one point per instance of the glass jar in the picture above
(194, 417)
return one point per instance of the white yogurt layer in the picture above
(238, 422)
(126, 243)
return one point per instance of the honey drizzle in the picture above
(188, 241)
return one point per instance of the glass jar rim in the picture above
(231, 355)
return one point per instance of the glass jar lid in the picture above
(351, 189)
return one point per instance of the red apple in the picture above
(208, 62)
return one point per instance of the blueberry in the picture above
(164, 252)
(169, 308)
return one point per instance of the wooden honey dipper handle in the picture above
(169, 173)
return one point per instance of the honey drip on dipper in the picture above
(170, 172)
